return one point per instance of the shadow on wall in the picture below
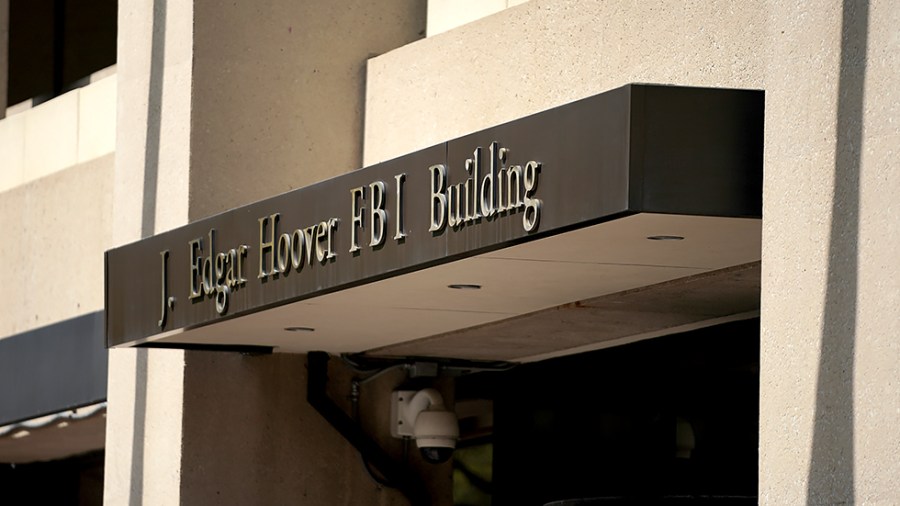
(830, 479)
(148, 225)
(154, 118)
(136, 487)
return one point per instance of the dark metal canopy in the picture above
(636, 150)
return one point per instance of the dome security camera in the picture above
(422, 416)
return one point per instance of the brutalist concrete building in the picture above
(449, 252)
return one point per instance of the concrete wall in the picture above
(829, 407)
(55, 230)
(546, 53)
(150, 194)
(829, 404)
(70, 129)
(220, 105)
(293, 76)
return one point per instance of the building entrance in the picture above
(671, 420)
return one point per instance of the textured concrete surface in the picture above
(829, 309)
(56, 230)
(153, 117)
(293, 77)
(829, 402)
(547, 53)
(144, 427)
(150, 194)
(611, 320)
(97, 119)
(70, 129)
(51, 136)
(12, 151)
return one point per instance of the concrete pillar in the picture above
(154, 122)
(220, 105)
(829, 406)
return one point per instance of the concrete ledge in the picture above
(546, 53)
(70, 129)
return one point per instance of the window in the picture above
(55, 45)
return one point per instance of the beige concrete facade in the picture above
(294, 78)
(153, 130)
(295, 83)
(57, 228)
(71, 129)
(829, 409)
(57, 165)
(218, 105)
(251, 437)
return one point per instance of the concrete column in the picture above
(829, 406)
(144, 427)
(220, 105)
(830, 359)
(279, 89)
(150, 194)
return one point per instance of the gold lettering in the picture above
(267, 246)
(206, 272)
(297, 242)
(196, 283)
(377, 216)
(356, 215)
(310, 233)
(438, 199)
(513, 173)
(332, 224)
(164, 255)
(242, 254)
(398, 203)
(230, 280)
(283, 253)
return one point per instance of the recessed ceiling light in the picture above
(665, 238)
(299, 329)
(464, 287)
